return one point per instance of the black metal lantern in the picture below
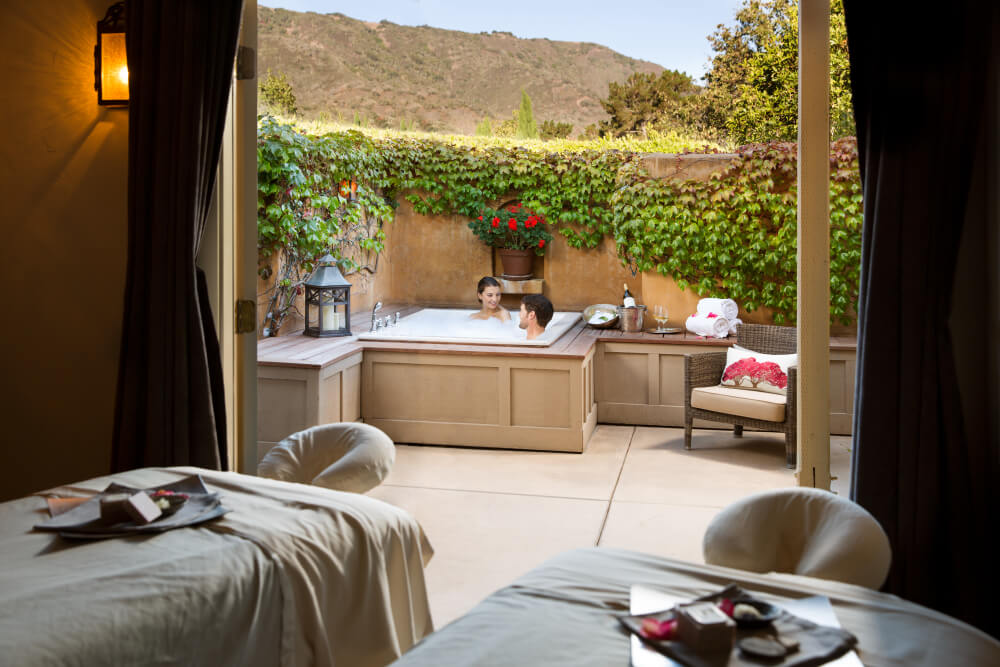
(110, 58)
(328, 301)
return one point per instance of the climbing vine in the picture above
(306, 208)
(735, 234)
(732, 235)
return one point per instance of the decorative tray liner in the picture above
(85, 522)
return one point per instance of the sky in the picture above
(671, 33)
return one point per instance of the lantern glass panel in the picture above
(334, 317)
(114, 66)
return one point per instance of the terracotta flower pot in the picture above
(516, 263)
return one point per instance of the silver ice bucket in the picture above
(631, 318)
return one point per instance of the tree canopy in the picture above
(751, 89)
(526, 127)
(765, 106)
(642, 99)
(277, 95)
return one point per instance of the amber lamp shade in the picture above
(110, 60)
(349, 190)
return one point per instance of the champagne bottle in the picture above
(628, 301)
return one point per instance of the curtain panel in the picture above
(919, 81)
(169, 408)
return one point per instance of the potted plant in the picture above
(516, 233)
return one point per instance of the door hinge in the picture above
(246, 63)
(246, 316)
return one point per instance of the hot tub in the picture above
(446, 325)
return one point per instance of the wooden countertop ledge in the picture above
(296, 350)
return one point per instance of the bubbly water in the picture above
(447, 325)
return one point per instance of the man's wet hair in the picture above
(540, 306)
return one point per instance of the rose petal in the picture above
(653, 629)
(726, 605)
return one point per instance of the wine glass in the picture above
(660, 314)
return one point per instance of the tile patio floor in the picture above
(494, 514)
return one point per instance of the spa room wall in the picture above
(63, 174)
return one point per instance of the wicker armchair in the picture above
(705, 370)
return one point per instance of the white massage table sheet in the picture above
(293, 575)
(564, 612)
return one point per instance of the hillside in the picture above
(444, 80)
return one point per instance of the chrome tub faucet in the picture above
(378, 307)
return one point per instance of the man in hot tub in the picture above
(488, 293)
(536, 313)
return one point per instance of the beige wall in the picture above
(63, 187)
(436, 260)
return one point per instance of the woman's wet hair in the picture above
(540, 306)
(486, 281)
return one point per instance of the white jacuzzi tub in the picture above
(446, 325)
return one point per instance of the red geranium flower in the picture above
(523, 229)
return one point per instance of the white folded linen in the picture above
(726, 308)
(733, 324)
(716, 327)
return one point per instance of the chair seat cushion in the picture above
(740, 402)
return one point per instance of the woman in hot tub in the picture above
(488, 293)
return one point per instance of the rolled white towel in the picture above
(726, 308)
(716, 327)
(733, 324)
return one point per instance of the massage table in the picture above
(292, 575)
(565, 613)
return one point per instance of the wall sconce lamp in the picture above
(349, 190)
(110, 59)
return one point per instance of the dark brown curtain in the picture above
(170, 393)
(922, 84)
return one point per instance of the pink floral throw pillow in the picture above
(746, 369)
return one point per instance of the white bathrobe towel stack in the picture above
(703, 325)
(726, 308)
(714, 317)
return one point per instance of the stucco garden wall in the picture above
(436, 260)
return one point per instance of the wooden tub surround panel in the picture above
(507, 401)
(640, 379)
(292, 398)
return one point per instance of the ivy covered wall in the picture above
(719, 232)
